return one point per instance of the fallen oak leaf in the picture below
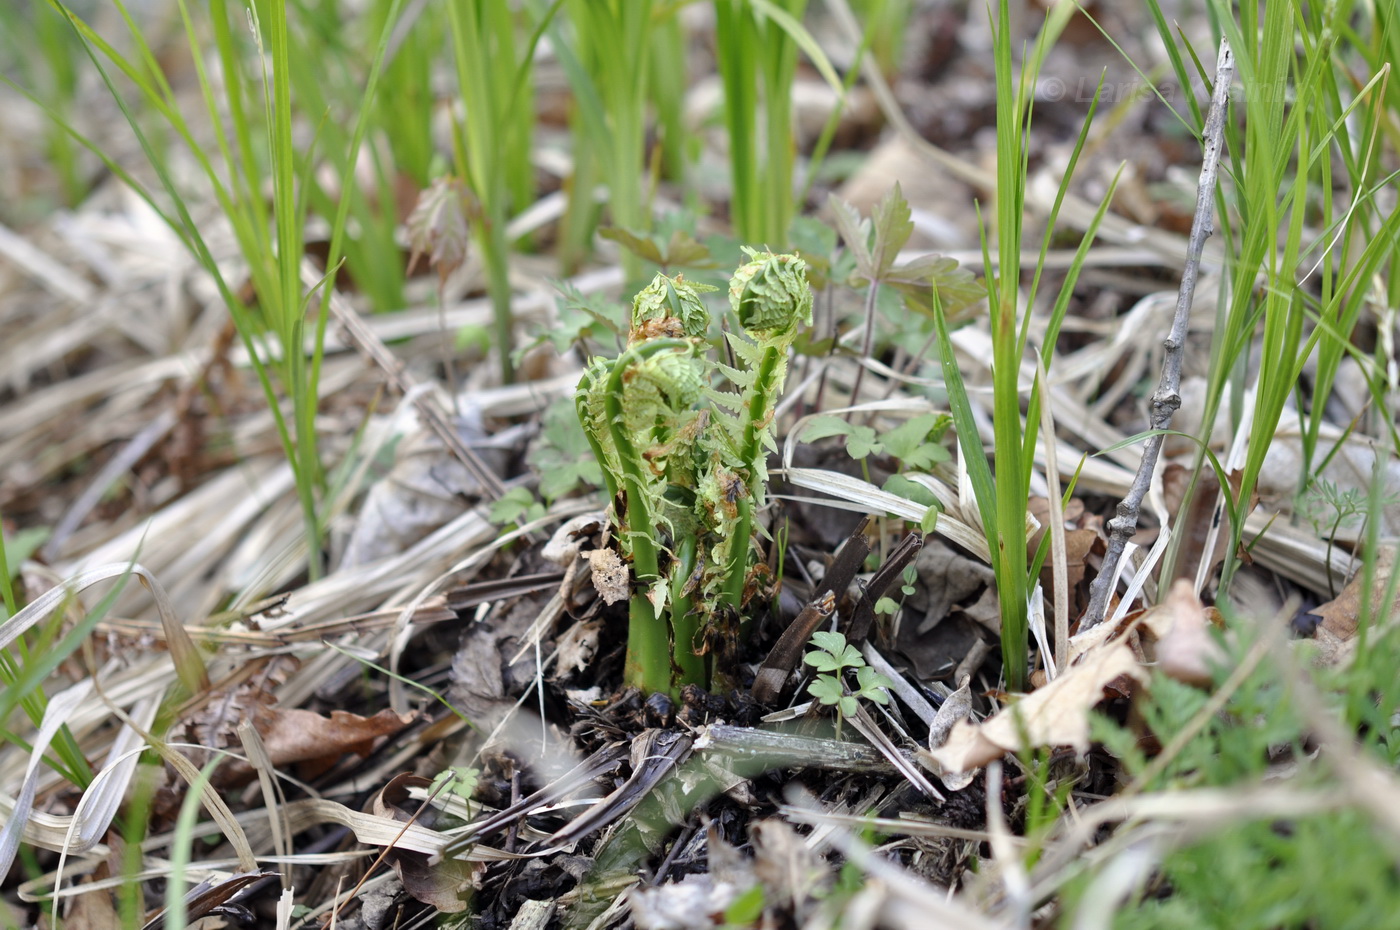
(1055, 715)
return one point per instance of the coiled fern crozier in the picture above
(684, 462)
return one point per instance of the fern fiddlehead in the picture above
(686, 480)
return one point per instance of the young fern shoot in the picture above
(686, 477)
(771, 298)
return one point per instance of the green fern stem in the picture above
(648, 664)
(685, 623)
(765, 388)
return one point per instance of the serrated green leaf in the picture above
(641, 246)
(850, 657)
(813, 238)
(906, 438)
(684, 250)
(862, 443)
(727, 399)
(511, 506)
(855, 232)
(746, 350)
(737, 377)
(891, 222)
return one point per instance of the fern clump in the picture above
(684, 457)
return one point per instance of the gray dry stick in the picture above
(1167, 397)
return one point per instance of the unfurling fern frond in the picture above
(770, 295)
(669, 307)
(686, 463)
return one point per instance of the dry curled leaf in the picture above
(1185, 650)
(1341, 616)
(295, 735)
(571, 536)
(1056, 715)
(610, 576)
(956, 708)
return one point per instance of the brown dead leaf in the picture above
(1181, 626)
(610, 576)
(1080, 542)
(1056, 715)
(1341, 616)
(447, 886)
(295, 735)
(214, 722)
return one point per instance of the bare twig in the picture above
(1167, 398)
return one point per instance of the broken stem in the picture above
(1167, 397)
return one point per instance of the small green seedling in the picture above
(888, 605)
(915, 445)
(457, 780)
(833, 656)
